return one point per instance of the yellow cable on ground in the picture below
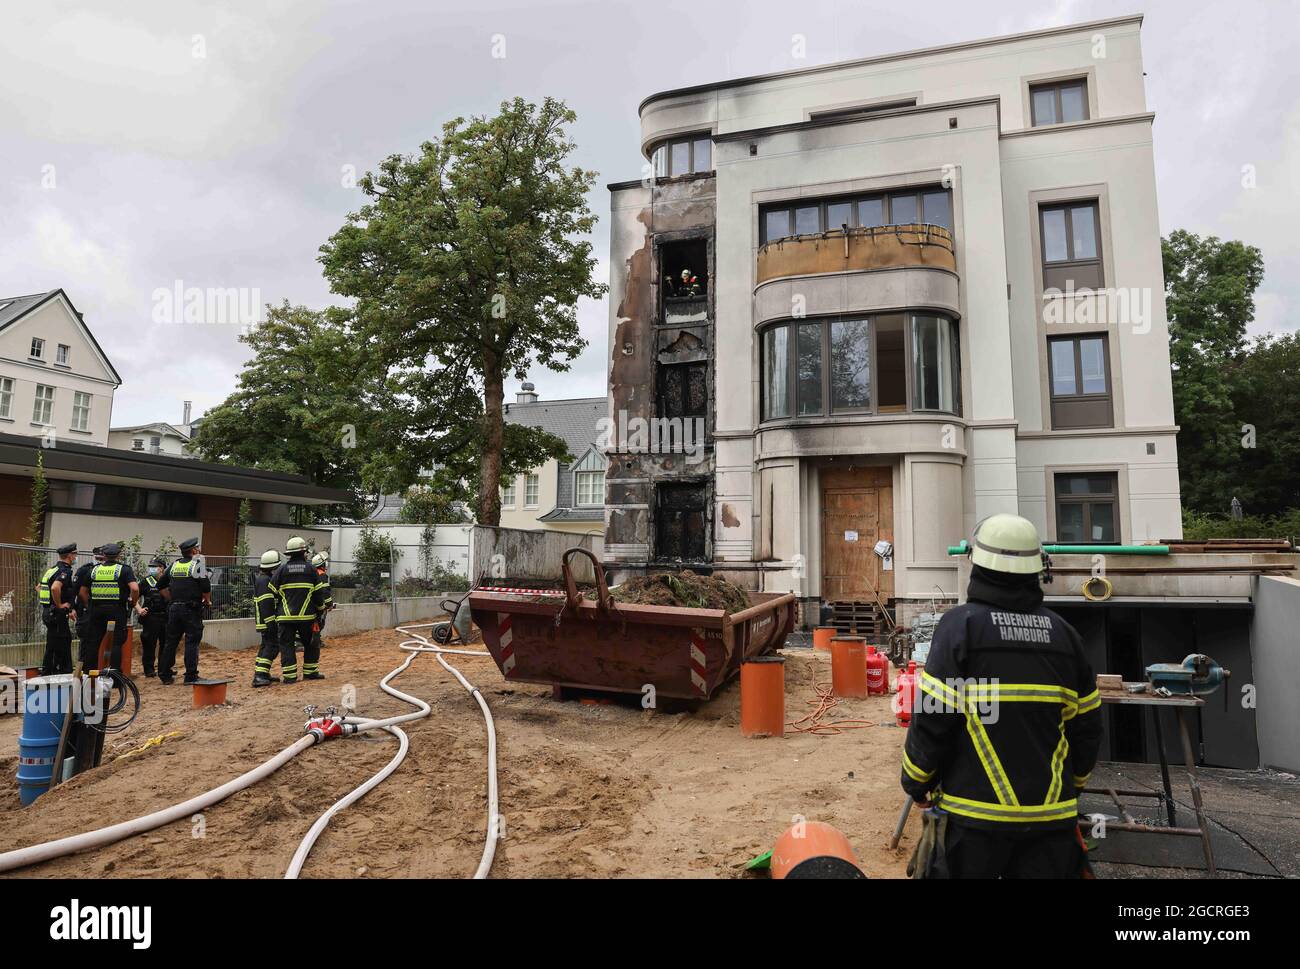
(151, 742)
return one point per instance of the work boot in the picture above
(192, 678)
(313, 676)
(261, 679)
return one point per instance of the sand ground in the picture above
(587, 790)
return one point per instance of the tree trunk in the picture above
(489, 490)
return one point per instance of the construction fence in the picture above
(22, 633)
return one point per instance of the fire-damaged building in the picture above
(856, 308)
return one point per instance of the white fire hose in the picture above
(35, 854)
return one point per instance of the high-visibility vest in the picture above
(46, 581)
(104, 585)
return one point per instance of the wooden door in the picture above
(857, 512)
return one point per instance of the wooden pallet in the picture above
(859, 619)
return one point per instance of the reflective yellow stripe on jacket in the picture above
(45, 585)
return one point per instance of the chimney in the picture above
(527, 394)
(186, 418)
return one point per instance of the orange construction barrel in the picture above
(762, 697)
(813, 849)
(849, 666)
(106, 649)
(822, 637)
(209, 693)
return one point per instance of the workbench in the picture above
(1182, 706)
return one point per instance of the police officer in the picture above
(57, 607)
(302, 599)
(1007, 724)
(266, 609)
(151, 614)
(189, 592)
(320, 562)
(80, 580)
(111, 594)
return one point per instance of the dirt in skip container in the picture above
(683, 589)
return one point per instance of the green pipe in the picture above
(964, 547)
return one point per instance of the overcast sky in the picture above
(128, 163)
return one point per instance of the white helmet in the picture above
(270, 558)
(1007, 543)
(295, 544)
(319, 559)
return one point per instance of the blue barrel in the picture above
(45, 700)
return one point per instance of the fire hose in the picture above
(318, 730)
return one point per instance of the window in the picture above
(589, 487)
(1071, 248)
(936, 370)
(508, 494)
(62, 354)
(683, 156)
(137, 444)
(1087, 508)
(681, 521)
(119, 499)
(6, 397)
(80, 411)
(155, 444)
(530, 491)
(38, 347)
(43, 406)
(888, 363)
(1058, 102)
(931, 206)
(1079, 377)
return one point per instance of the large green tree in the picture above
(307, 403)
(466, 264)
(1266, 398)
(1210, 298)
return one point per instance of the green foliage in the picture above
(430, 505)
(374, 555)
(306, 404)
(1266, 396)
(1209, 292)
(466, 264)
(40, 498)
(1200, 525)
(439, 579)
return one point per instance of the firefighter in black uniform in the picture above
(151, 613)
(111, 595)
(189, 593)
(80, 580)
(1007, 723)
(320, 562)
(302, 598)
(266, 609)
(57, 607)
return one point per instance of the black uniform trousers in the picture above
(269, 650)
(153, 630)
(183, 619)
(101, 614)
(293, 632)
(978, 853)
(58, 643)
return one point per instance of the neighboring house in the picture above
(157, 438)
(54, 377)
(566, 496)
(929, 289)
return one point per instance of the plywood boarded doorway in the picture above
(857, 512)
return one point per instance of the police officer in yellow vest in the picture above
(57, 607)
(111, 594)
(188, 591)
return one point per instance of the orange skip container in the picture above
(814, 849)
(849, 666)
(762, 697)
(822, 637)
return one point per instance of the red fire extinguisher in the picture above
(877, 673)
(906, 696)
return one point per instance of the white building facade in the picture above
(928, 288)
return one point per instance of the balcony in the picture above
(858, 250)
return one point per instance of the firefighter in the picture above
(320, 562)
(266, 609)
(188, 591)
(57, 607)
(111, 595)
(80, 580)
(151, 614)
(302, 598)
(1007, 723)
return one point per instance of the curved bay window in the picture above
(879, 364)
